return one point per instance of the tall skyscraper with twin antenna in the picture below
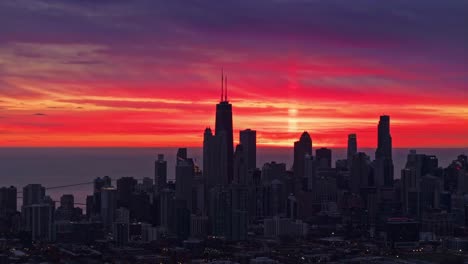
(224, 125)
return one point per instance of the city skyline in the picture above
(307, 72)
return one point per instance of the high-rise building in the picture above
(324, 157)
(273, 171)
(125, 189)
(184, 180)
(240, 166)
(214, 159)
(352, 147)
(248, 139)
(181, 154)
(224, 126)
(160, 172)
(39, 219)
(33, 194)
(361, 173)
(8, 200)
(100, 183)
(384, 139)
(108, 206)
(301, 148)
(167, 209)
(383, 154)
(8, 207)
(310, 171)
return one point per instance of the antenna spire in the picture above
(222, 83)
(225, 87)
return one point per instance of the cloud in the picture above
(40, 114)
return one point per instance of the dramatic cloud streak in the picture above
(146, 73)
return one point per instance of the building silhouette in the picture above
(384, 139)
(160, 172)
(352, 147)
(301, 149)
(324, 157)
(248, 139)
(224, 126)
(215, 159)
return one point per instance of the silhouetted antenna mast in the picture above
(222, 82)
(225, 87)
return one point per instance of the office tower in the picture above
(248, 139)
(219, 211)
(361, 173)
(352, 147)
(100, 183)
(419, 189)
(121, 233)
(39, 219)
(324, 157)
(383, 154)
(181, 219)
(66, 211)
(125, 188)
(146, 186)
(167, 208)
(240, 166)
(383, 172)
(238, 225)
(67, 201)
(33, 194)
(184, 180)
(224, 126)
(310, 171)
(8, 207)
(90, 206)
(301, 148)
(291, 207)
(122, 215)
(199, 226)
(160, 172)
(384, 139)
(108, 206)
(140, 207)
(273, 171)
(8, 200)
(274, 198)
(214, 159)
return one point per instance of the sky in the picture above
(147, 73)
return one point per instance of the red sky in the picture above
(136, 78)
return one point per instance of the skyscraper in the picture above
(125, 189)
(224, 125)
(301, 148)
(240, 165)
(361, 173)
(33, 194)
(248, 139)
(160, 172)
(384, 139)
(214, 159)
(184, 180)
(383, 154)
(8, 200)
(352, 147)
(108, 206)
(324, 157)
